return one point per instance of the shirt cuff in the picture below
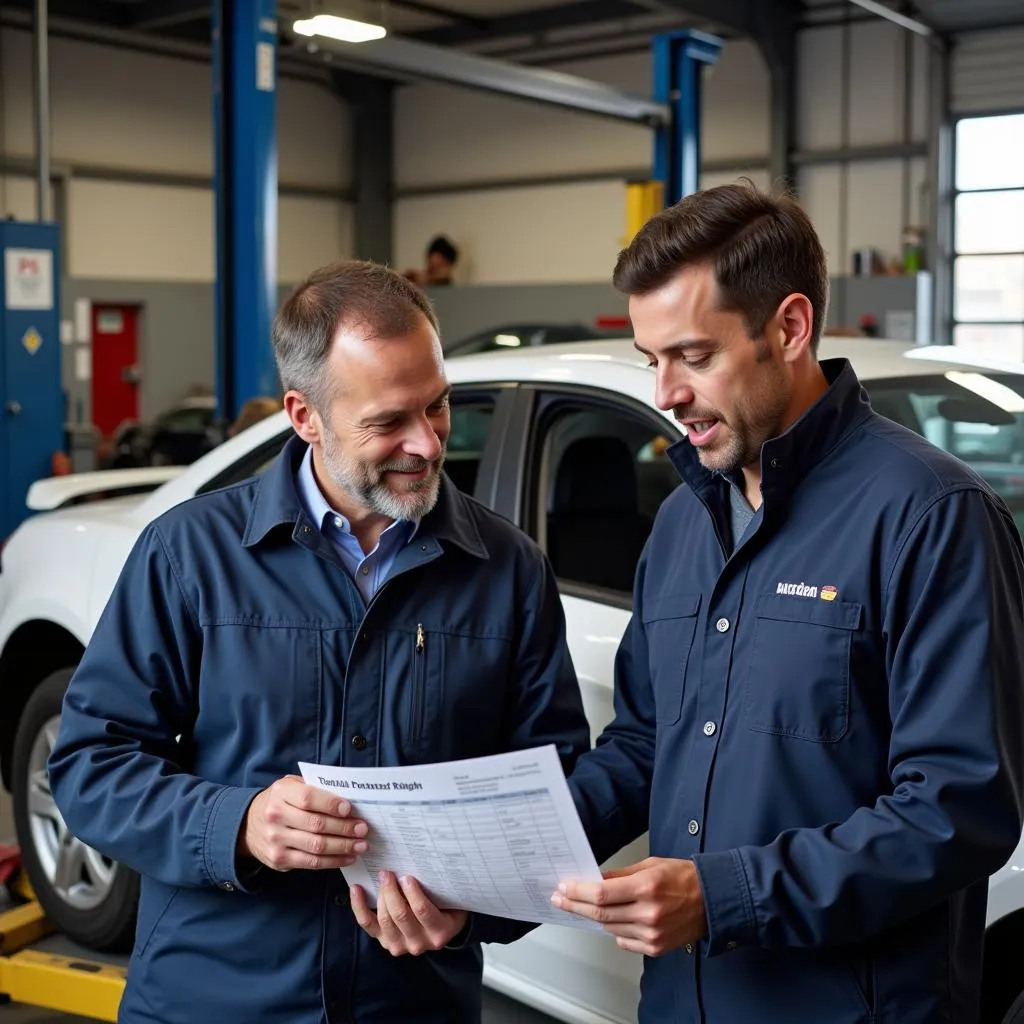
(727, 901)
(220, 844)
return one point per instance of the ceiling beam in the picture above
(437, 11)
(107, 13)
(153, 14)
(536, 22)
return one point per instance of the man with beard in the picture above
(819, 695)
(349, 607)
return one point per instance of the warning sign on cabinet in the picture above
(28, 278)
(32, 341)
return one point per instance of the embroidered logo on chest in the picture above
(828, 593)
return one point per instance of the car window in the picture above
(977, 416)
(471, 427)
(471, 416)
(599, 473)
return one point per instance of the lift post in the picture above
(245, 186)
(679, 62)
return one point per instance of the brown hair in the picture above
(762, 248)
(350, 293)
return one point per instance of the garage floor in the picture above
(497, 1009)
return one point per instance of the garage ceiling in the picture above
(529, 30)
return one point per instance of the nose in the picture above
(671, 389)
(423, 441)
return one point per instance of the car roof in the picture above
(616, 365)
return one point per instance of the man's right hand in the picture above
(291, 825)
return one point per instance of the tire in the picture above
(95, 903)
(1015, 1014)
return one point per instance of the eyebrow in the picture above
(679, 346)
(386, 415)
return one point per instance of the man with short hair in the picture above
(819, 695)
(349, 607)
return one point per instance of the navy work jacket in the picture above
(235, 626)
(828, 721)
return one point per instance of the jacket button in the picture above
(359, 742)
(730, 946)
(341, 900)
(722, 625)
(775, 463)
(227, 886)
(689, 948)
(709, 728)
(693, 827)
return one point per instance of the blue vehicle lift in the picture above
(246, 169)
(245, 192)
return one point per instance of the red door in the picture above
(115, 366)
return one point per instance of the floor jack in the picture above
(34, 977)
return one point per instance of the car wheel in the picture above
(87, 896)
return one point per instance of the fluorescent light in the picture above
(347, 30)
(997, 393)
(508, 340)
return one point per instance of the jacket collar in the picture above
(277, 504)
(789, 457)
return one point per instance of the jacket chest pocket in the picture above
(798, 682)
(451, 696)
(670, 623)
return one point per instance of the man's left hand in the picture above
(405, 920)
(651, 907)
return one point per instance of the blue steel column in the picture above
(679, 59)
(245, 186)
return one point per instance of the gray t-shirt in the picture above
(741, 511)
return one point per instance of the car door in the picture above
(585, 480)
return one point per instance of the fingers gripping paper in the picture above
(493, 835)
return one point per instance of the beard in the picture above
(367, 481)
(755, 418)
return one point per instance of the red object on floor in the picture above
(10, 862)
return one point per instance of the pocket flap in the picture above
(670, 606)
(838, 614)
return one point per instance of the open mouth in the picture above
(699, 432)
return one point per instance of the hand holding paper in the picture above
(493, 835)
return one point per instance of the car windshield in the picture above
(978, 416)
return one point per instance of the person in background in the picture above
(350, 606)
(441, 258)
(252, 411)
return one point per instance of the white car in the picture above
(526, 426)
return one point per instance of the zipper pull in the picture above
(420, 638)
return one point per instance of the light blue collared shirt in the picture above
(369, 571)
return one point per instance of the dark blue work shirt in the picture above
(828, 721)
(236, 627)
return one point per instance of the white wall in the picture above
(861, 204)
(570, 232)
(116, 109)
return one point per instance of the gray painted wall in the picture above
(177, 324)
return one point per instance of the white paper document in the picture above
(494, 835)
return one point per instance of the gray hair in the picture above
(350, 293)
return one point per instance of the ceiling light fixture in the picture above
(346, 30)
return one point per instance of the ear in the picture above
(305, 419)
(794, 320)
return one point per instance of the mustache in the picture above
(410, 465)
(681, 413)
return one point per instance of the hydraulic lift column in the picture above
(245, 186)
